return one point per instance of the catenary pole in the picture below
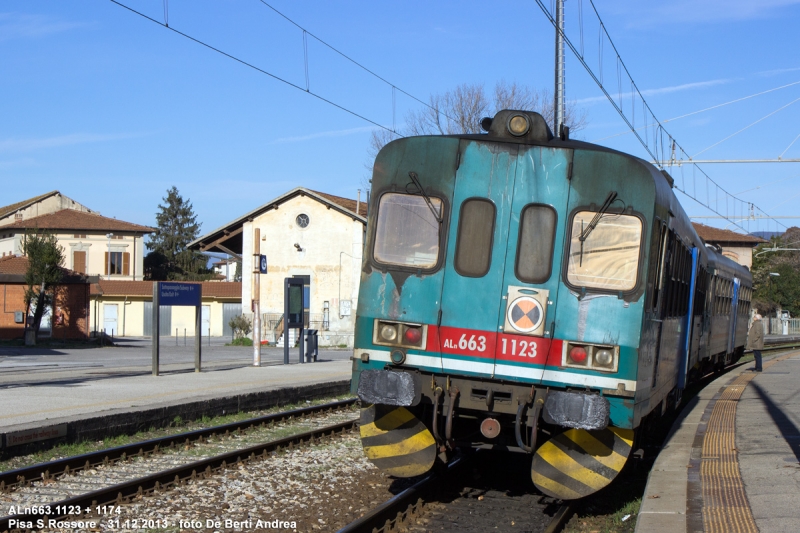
(558, 120)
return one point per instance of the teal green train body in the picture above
(532, 294)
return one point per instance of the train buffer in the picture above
(732, 459)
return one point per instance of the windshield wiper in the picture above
(593, 224)
(415, 179)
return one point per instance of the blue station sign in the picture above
(173, 293)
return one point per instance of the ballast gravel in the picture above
(321, 487)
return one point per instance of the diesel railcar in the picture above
(535, 294)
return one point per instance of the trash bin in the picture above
(312, 343)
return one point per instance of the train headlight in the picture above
(603, 357)
(578, 355)
(388, 333)
(518, 125)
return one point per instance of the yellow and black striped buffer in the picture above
(396, 441)
(578, 463)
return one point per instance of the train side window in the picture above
(658, 279)
(537, 230)
(607, 257)
(474, 241)
(407, 232)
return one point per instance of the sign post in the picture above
(292, 313)
(256, 297)
(156, 326)
(176, 293)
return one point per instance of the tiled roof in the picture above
(12, 264)
(17, 265)
(228, 238)
(715, 235)
(70, 219)
(348, 204)
(210, 289)
(7, 209)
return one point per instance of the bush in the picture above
(241, 327)
(241, 341)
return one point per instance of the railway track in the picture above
(88, 484)
(484, 491)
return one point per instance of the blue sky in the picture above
(112, 109)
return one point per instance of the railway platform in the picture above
(77, 402)
(732, 459)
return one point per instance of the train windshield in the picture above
(407, 232)
(607, 257)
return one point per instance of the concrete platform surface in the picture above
(33, 405)
(768, 450)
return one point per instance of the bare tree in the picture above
(460, 111)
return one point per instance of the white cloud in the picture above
(22, 25)
(322, 134)
(27, 145)
(653, 92)
(777, 71)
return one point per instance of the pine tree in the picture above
(45, 258)
(177, 226)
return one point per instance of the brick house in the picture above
(67, 318)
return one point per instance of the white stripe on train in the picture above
(500, 370)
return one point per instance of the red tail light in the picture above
(413, 335)
(578, 354)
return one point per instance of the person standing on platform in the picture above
(755, 341)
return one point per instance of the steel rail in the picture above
(393, 512)
(52, 469)
(123, 492)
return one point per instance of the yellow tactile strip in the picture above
(725, 505)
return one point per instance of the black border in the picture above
(552, 243)
(568, 241)
(491, 236)
(443, 229)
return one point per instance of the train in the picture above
(531, 293)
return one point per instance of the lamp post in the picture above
(108, 261)
(771, 275)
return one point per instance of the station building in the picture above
(736, 246)
(123, 308)
(305, 234)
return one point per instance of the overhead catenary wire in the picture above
(707, 109)
(394, 87)
(746, 127)
(258, 69)
(661, 138)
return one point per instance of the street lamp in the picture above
(771, 275)
(108, 265)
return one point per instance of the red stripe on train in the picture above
(494, 346)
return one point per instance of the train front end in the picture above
(501, 303)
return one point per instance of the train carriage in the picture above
(533, 294)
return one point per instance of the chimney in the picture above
(358, 201)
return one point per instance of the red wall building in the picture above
(69, 316)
